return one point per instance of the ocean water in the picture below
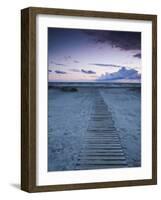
(92, 84)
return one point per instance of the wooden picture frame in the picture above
(28, 98)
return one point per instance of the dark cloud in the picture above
(138, 55)
(56, 63)
(49, 70)
(60, 72)
(117, 39)
(104, 65)
(59, 64)
(75, 70)
(122, 74)
(75, 61)
(67, 57)
(88, 71)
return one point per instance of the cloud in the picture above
(56, 63)
(122, 74)
(67, 57)
(59, 64)
(138, 55)
(88, 71)
(93, 76)
(104, 65)
(75, 70)
(117, 39)
(49, 70)
(75, 61)
(60, 72)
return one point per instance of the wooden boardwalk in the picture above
(102, 146)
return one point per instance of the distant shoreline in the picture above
(92, 84)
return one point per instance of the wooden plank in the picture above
(103, 135)
(98, 141)
(101, 150)
(101, 115)
(100, 125)
(93, 167)
(104, 148)
(104, 138)
(106, 134)
(97, 127)
(102, 157)
(102, 154)
(105, 131)
(103, 162)
(97, 124)
(96, 117)
(102, 143)
(101, 129)
(103, 122)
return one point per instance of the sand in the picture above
(68, 115)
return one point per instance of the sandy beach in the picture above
(68, 120)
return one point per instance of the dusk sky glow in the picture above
(92, 55)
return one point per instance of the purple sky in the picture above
(93, 55)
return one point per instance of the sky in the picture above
(93, 55)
